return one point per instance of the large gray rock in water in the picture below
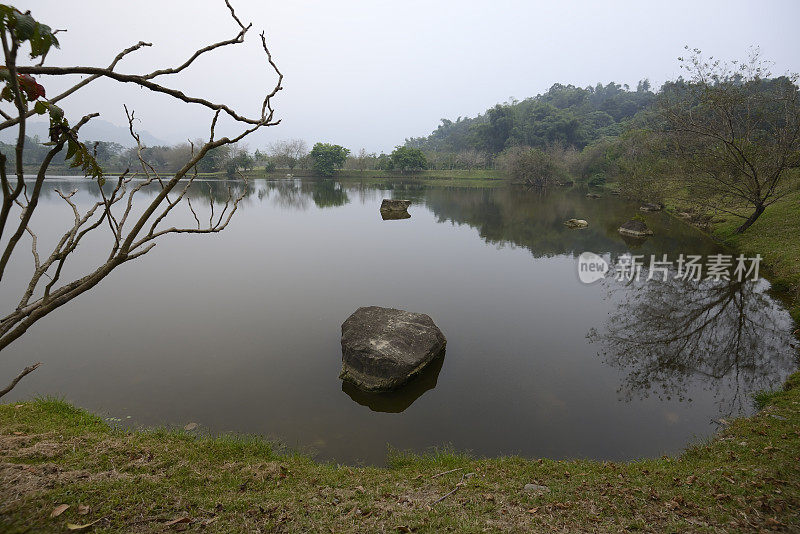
(383, 348)
(635, 228)
(394, 205)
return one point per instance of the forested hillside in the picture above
(566, 115)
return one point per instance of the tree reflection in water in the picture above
(727, 336)
(328, 193)
(285, 194)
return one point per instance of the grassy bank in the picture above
(51, 454)
(776, 236)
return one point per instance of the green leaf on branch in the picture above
(25, 26)
(81, 157)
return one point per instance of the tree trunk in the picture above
(750, 220)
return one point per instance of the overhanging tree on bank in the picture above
(133, 233)
(737, 132)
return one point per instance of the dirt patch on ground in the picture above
(43, 450)
(25, 468)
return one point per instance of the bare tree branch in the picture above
(134, 232)
(26, 371)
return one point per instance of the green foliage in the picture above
(81, 157)
(762, 399)
(569, 115)
(383, 163)
(327, 158)
(735, 131)
(329, 194)
(23, 28)
(237, 159)
(597, 180)
(596, 161)
(644, 165)
(215, 159)
(407, 159)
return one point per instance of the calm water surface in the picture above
(240, 331)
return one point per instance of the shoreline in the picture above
(746, 477)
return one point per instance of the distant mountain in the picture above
(95, 130)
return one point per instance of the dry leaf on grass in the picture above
(178, 520)
(58, 510)
(73, 526)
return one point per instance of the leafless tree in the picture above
(132, 231)
(360, 161)
(289, 152)
(469, 159)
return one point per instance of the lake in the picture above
(240, 331)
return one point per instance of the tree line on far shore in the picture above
(324, 159)
(723, 139)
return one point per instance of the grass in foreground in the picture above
(746, 479)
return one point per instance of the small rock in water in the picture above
(536, 488)
(383, 348)
(576, 223)
(635, 228)
(395, 205)
(652, 207)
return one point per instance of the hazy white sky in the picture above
(369, 73)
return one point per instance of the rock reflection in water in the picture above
(633, 242)
(397, 401)
(394, 215)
